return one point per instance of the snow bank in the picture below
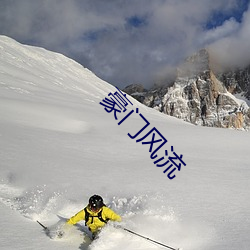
(59, 146)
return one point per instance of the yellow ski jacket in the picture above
(94, 223)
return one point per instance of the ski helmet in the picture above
(96, 202)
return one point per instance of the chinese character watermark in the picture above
(116, 103)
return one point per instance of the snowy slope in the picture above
(59, 146)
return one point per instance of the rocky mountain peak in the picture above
(200, 96)
(196, 64)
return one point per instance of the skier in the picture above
(95, 214)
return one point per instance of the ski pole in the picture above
(45, 228)
(146, 238)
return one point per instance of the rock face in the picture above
(201, 97)
(136, 90)
(237, 81)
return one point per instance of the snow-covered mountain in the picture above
(237, 81)
(201, 95)
(59, 146)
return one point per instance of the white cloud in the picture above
(228, 28)
(233, 50)
(97, 33)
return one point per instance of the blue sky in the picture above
(131, 41)
(218, 17)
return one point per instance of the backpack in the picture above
(88, 216)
